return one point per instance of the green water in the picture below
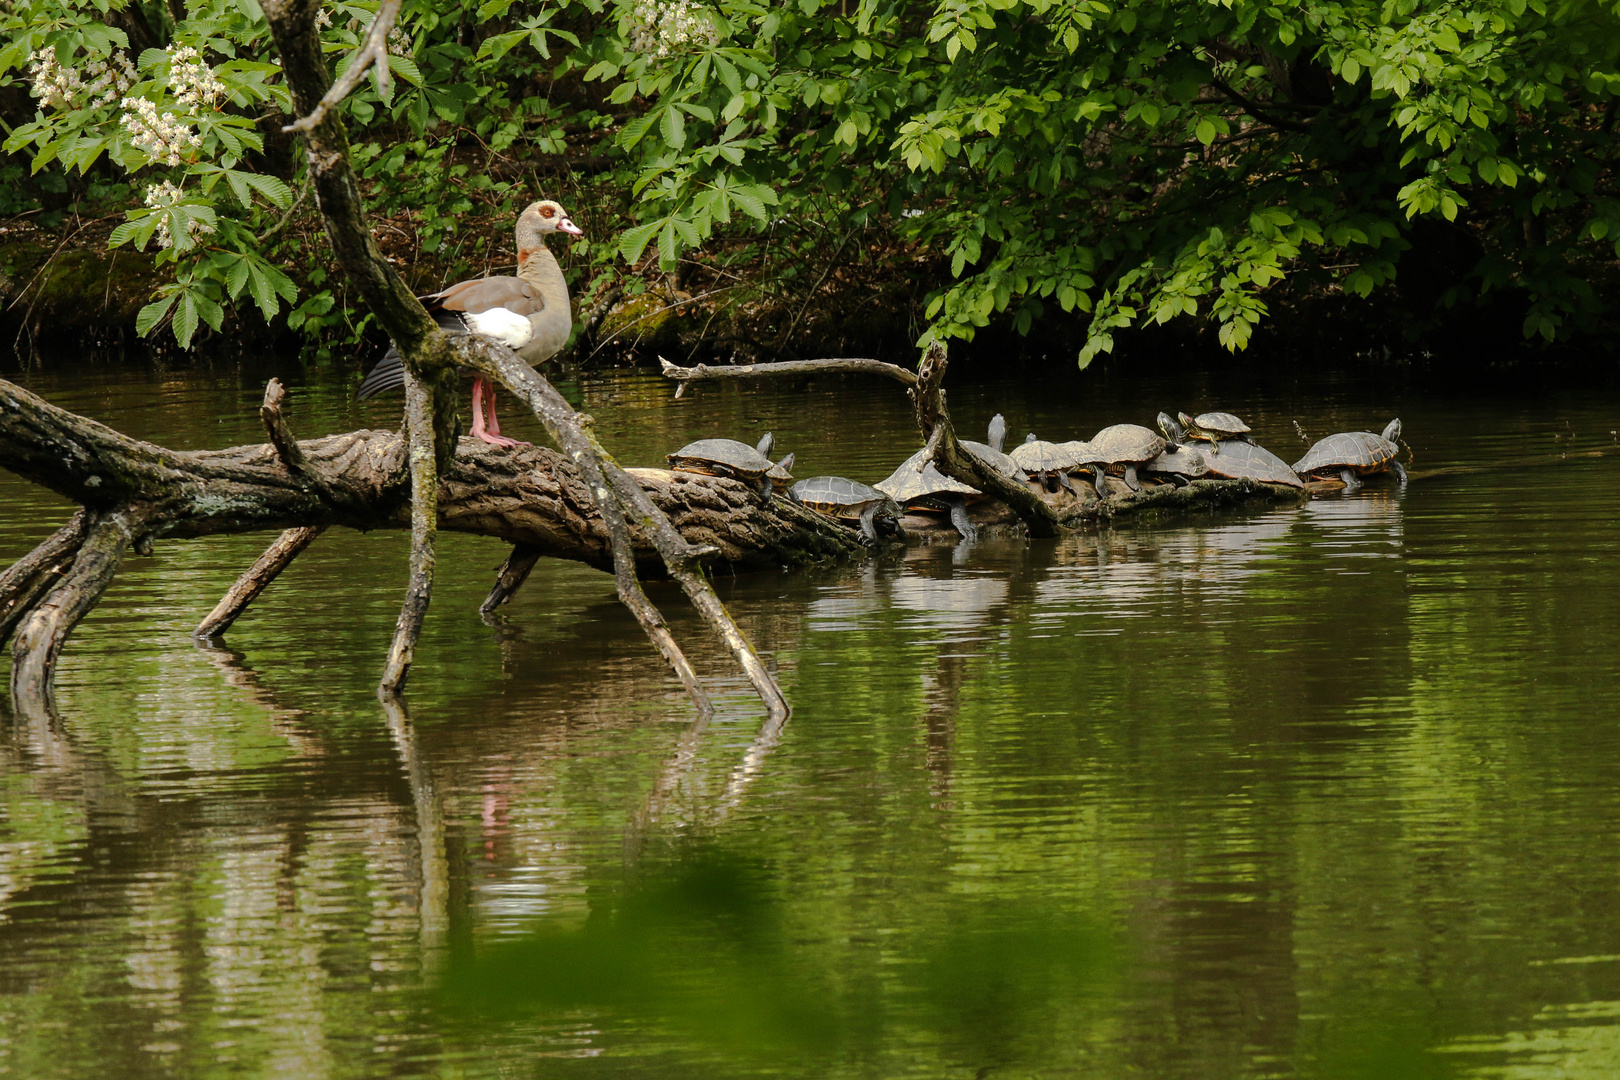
(1323, 791)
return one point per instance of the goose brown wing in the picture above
(485, 294)
(464, 297)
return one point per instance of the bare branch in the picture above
(424, 531)
(276, 558)
(37, 572)
(373, 51)
(510, 578)
(42, 632)
(276, 424)
(831, 366)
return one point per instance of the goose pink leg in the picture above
(491, 432)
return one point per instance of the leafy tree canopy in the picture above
(1133, 162)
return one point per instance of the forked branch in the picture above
(373, 52)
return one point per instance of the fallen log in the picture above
(134, 493)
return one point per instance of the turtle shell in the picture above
(917, 481)
(728, 457)
(1037, 456)
(1214, 425)
(1126, 444)
(1249, 461)
(1362, 451)
(837, 497)
(1182, 461)
(992, 457)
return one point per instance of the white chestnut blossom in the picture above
(190, 80)
(161, 136)
(161, 196)
(101, 83)
(661, 28)
(166, 136)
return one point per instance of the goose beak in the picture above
(567, 225)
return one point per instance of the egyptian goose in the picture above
(528, 313)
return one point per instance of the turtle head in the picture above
(997, 433)
(1393, 431)
(766, 441)
(1173, 434)
(1030, 437)
(1186, 421)
(786, 464)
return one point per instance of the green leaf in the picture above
(1205, 131)
(271, 187)
(673, 128)
(152, 314)
(1350, 71)
(634, 241)
(405, 68)
(185, 319)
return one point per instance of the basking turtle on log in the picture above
(1241, 460)
(1214, 427)
(738, 460)
(1047, 463)
(918, 485)
(990, 453)
(851, 501)
(1119, 449)
(1350, 455)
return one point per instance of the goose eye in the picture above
(546, 211)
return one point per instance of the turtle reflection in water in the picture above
(737, 460)
(1350, 455)
(852, 503)
(917, 485)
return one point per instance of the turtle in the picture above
(1239, 461)
(1180, 464)
(1122, 446)
(990, 454)
(1213, 427)
(738, 460)
(851, 502)
(1251, 461)
(1352, 454)
(1047, 462)
(916, 484)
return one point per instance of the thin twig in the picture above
(303, 193)
(373, 52)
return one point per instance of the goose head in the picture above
(541, 218)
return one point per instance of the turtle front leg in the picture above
(1063, 482)
(869, 525)
(1130, 478)
(1099, 480)
(1400, 472)
(1351, 483)
(959, 518)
